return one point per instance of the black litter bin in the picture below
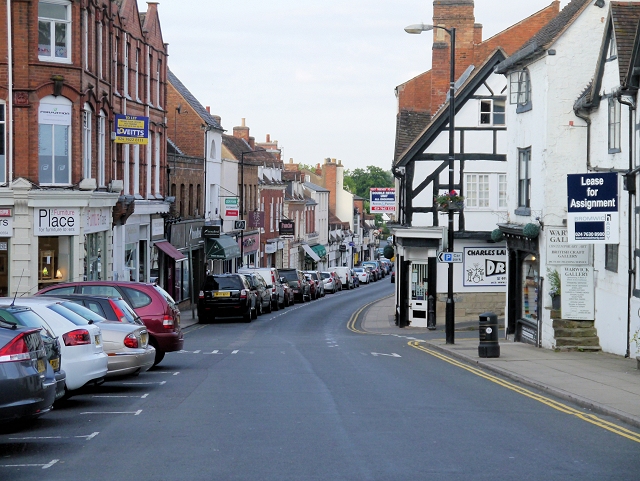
(489, 346)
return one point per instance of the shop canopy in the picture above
(319, 250)
(222, 248)
(310, 252)
(168, 249)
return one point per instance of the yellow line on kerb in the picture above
(351, 325)
(590, 418)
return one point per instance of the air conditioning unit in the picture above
(116, 186)
(88, 184)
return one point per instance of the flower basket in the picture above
(452, 205)
(450, 201)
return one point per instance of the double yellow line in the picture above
(589, 418)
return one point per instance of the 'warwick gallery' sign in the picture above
(560, 252)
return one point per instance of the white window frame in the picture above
(502, 191)
(490, 115)
(157, 163)
(478, 191)
(3, 139)
(137, 74)
(85, 39)
(520, 90)
(100, 46)
(59, 101)
(53, 22)
(615, 124)
(87, 119)
(524, 178)
(115, 64)
(613, 47)
(102, 148)
(148, 80)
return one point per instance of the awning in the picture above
(168, 249)
(320, 250)
(310, 252)
(222, 248)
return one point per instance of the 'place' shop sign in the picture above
(56, 222)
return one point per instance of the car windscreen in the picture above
(289, 275)
(68, 314)
(85, 312)
(230, 283)
(359, 270)
(325, 275)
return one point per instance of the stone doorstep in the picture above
(563, 342)
(576, 332)
(578, 349)
(568, 324)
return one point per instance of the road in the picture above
(296, 395)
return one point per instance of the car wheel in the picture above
(276, 306)
(248, 316)
(254, 313)
(159, 357)
(269, 308)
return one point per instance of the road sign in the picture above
(240, 225)
(450, 257)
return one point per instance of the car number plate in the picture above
(41, 366)
(97, 340)
(221, 294)
(55, 364)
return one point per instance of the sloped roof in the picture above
(258, 156)
(625, 18)
(317, 188)
(547, 35)
(193, 102)
(409, 125)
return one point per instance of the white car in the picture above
(363, 275)
(126, 343)
(81, 352)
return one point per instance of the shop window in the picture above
(130, 258)
(54, 141)
(54, 254)
(530, 278)
(94, 245)
(54, 30)
(4, 267)
(142, 261)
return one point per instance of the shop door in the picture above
(419, 293)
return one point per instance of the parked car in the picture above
(25, 317)
(289, 298)
(354, 278)
(317, 278)
(363, 275)
(393, 277)
(81, 353)
(263, 295)
(272, 279)
(313, 287)
(345, 276)
(153, 304)
(372, 273)
(298, 282)
(329, 282)
(126, 344)
(109, 307)
(27, 383)
(226, 295)
(375, 268)
(387, 263)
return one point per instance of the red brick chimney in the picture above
(241, 132)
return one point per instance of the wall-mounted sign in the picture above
(52, 222)
(157, 227)
(485, 266)
(256, 219)
(96, 220)
(592, 209)
(53, 114)
(578, 293)
(560, 252)
(231, 209)
(287, 228)
(270, 247)
(6, 227)
(249, 243)
(131, 129)
(211, 231)
(382, 199)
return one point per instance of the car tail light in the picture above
(131, 341)
(243, 294)
(16, 350)
(201, 295)
(119, 314)
(167, 321)
(78, 337)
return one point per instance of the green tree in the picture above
(359, 181)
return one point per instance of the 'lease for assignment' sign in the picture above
(592, 210)
(131, 129)
(382, 199)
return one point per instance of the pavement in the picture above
(602, 382)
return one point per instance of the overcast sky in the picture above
(318, 75)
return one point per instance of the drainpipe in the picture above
(10, 102)
(631, 205)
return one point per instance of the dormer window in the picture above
(613, 48)
(521, 90)
(492, 112)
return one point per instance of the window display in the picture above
(530, 278)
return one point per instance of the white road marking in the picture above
(135, 413)
(27, 438)
(393, 354)
(197, 352)
(235, 352)
(43, 466)
(143, 383)
(163, 372)
(213, 352)
(116, 396)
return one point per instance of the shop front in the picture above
(6, 233)
(524, 300)
(221, 251)
(187, 259)
(249, 245)
(97, 229)
(273, 253)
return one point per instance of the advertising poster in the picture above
(578, 293)
(560, 252)
(485, 267)
(131, 129)
(382, 200)
(592, 208)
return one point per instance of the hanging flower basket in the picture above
(531, 231)
(497, 235)
(450, 201)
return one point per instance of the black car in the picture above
(226, 295)
(263, 295)
(298, 282)
(25, 317)
(27, 384)
(112, 308)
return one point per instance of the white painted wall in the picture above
(213, 174)
(228, 186)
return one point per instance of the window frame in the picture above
(102, 148)
(58, 101)
(524, 183)
(3, 142)
(614, 123)
(521, 94)
(68, 33)
(492, 112)
(87, 144)
(611, 257)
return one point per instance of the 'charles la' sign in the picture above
(52, 222)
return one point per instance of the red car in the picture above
(155, 307)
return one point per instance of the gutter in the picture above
(9, 156)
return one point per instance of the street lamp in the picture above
(450, 311)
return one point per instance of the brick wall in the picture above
(469, 306)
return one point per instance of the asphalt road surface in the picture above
(296, 395)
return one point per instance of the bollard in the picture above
(488, 332)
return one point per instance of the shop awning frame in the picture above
(222, 248)
(310, 252)
(170, 250)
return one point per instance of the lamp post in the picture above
(450, 311)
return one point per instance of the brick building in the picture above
(66, 70)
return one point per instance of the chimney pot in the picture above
(243, 122)
(268, 138)
(208, 109)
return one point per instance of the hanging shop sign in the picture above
(52, 222)
(131, 129)
(270, 247)
(231, 209)
(560, 252)
(592, 210)
(578, 293)
(256, 219)
(211, 231)
(485, 267)
(382, 199)
(287, 228)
